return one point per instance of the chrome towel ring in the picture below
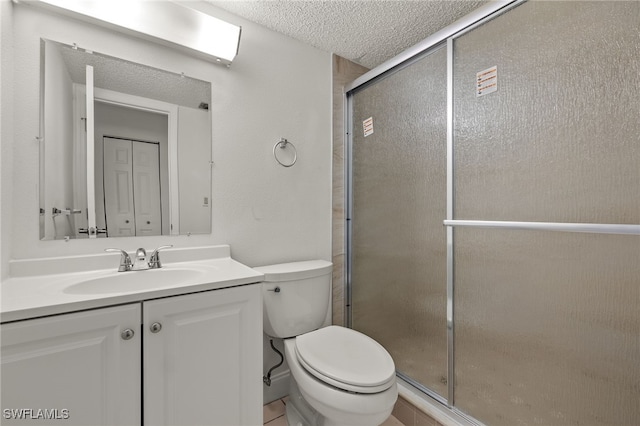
(282, 144)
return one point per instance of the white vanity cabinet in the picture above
(193, 359)
(75, 369)
(203, 358)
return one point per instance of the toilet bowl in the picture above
(332, 391)
(338, 376)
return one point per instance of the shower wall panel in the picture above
(398, 245)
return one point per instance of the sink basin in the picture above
(125, 282)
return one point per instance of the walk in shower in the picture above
(493, 214)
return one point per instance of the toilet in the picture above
(338, 376)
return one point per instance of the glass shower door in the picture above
(547, 325)
(539, 261)
(398, 242)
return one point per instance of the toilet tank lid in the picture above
(295, 270)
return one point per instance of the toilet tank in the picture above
(295, 297)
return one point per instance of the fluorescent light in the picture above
(168, 21)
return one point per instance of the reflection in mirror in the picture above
(148, 162)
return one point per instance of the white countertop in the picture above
(31, 296)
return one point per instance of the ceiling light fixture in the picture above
(165, 21)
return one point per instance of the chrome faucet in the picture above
(140, 263)
(154, 260)
(125, 260)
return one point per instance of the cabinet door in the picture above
(204, 366)
(75, 367)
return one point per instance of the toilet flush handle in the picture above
(276, 290)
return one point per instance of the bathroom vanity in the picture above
(186, 350)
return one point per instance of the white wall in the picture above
(6, 134)
(276, 87)
(58, 145)
(194, 155)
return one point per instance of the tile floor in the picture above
(273, 415)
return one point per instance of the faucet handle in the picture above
(154, 260)
(125, 260)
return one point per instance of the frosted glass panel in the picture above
(399, 201)
(559, 140)
(547, 327)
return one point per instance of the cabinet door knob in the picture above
(155, 327)
(127, 334)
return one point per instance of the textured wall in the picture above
(344, 71)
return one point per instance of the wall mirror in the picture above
(125, 149)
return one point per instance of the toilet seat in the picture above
(346, 359)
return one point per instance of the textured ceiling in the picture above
(367, 32)
(135, 79)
